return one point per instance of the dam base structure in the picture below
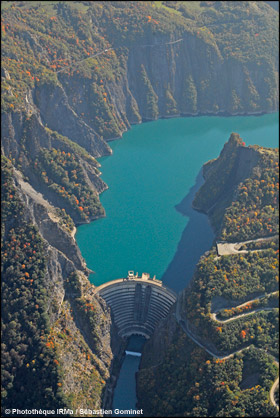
(137, 303)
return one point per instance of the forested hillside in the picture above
(74, 76)
(79, 73)
(53, 331)
(230, 306)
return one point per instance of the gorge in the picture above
(62, 102)
(189, 136)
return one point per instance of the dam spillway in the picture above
(137, 303)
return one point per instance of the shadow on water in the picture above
(196, 238)
(125, 391)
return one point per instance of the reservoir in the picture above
(150, 226)
(153, 175)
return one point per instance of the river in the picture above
(150, 226)
(125, 391)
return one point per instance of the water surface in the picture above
(155, 170)
(125, 391)
(150, 226)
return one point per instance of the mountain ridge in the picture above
(59, 109)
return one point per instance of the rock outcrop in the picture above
(173, 68)
(222, 176)
(100, 344)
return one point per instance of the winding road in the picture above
(224, 321)
(84, 59)
(273, 390)
(185, 327)
(117, 47)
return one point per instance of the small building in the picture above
(145, 276)
(130, 274)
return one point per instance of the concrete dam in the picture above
(137, 303)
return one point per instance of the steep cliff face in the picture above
(83, 348)
(198, 358)
(53, 105)
(81, 79)
(181, 64)
(42, 214)
(164, 65)
(161, 79)
(26, 139)
(196, 84)
(222, 176)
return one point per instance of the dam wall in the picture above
(137, 303)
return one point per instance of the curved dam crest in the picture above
(137, 303)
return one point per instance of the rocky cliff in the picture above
(222, 176)
(179, 378)
(76, 75)
(84, 349)
(172, 66)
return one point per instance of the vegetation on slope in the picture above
(255, 212)
(238, 277)
(76, 53)
(84, 374)
(82, 381)
(65, 35)
(190, 383)
(265, 301)
(216, 186)
(64, 175)
(28, 359)
(42, 355)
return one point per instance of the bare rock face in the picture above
(55, 110)
(11, 133)
(85, 353)
(164, 78)
(165, 75)
(214, 86)
(43, 214)
(23, 140)
(222, 176)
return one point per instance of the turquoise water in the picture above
(152, 176)
(150, 226)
